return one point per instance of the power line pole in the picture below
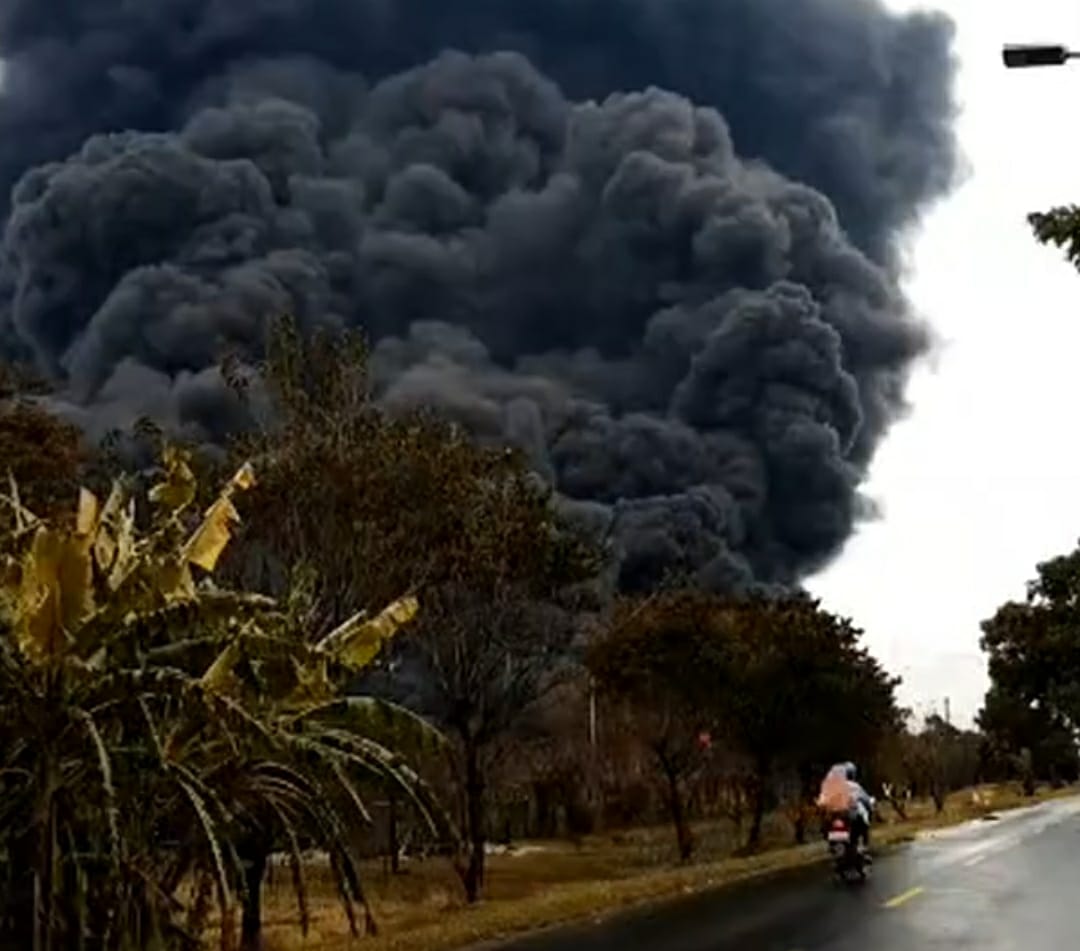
(592, 777)
(592, 713)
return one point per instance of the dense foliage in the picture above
(1032, 712)
(781, 683)
(152, 724)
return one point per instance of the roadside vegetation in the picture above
(543, 884)
(357, 680)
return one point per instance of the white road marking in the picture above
(904, 898)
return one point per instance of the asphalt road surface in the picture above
(1012, 884)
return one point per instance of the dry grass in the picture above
(546, 883)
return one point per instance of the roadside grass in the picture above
(540, 884)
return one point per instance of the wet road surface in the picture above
(1007, 885)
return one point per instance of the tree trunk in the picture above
(545, 825)
(19, 929)
(392, 833)
(1027, 771)
(255, 861)
(758, 795)
(676, 807)
(474, 807)
(757, 818)
(938, 794)
(805, 804)
(684, 834)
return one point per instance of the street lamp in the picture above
(1020, 56)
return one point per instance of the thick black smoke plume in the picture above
(699, 350)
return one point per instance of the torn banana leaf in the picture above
(357, 642)
(205, 546)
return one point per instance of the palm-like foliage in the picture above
(151, 727)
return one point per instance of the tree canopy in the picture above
(781, 681)
(1060, 227)
(43, 455)
(378, 504)
(1033, 650)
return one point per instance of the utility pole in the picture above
(592, 713)
(593, 771)
(948, 714)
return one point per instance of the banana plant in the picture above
(152, 723)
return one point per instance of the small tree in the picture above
(662, 659)
(941, 759)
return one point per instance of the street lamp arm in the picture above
(1020, 56)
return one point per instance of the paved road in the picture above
(1007, 885)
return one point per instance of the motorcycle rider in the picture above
(841, 792)
(863, 804)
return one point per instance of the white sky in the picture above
(983, 479)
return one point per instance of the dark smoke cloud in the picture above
(836, 93)
(701, 350)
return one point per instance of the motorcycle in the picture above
(849, 860)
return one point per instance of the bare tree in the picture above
(489, 658)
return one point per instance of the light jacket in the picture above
(861, 801)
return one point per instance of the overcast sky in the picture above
(982, 481)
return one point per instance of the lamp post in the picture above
(1022, 56)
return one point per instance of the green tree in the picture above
(781, 682)
(663, 659)
(1060, 227)
(808, 695)
(1032, 711)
